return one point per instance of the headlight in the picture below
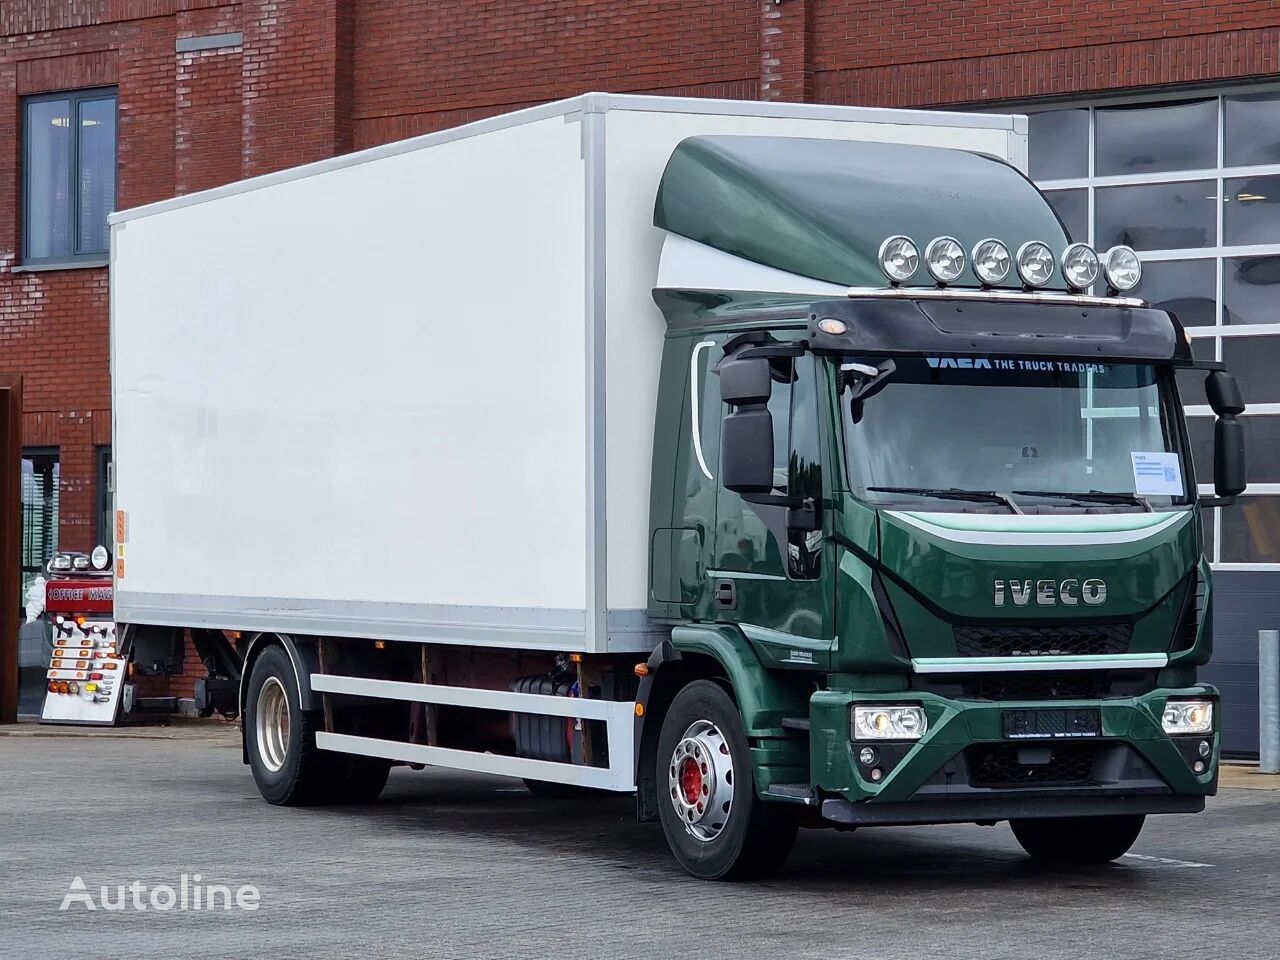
(60, 561)
(991, 261)
(1124, 269)
(899, 259)
(1187, 716)
(889, 722)
(1080, 266)
(100, 558)
(945, 259)
(1035, 263)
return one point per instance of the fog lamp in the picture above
(945, 259)
(1187, 716)
(1123, 268)
(1080, 266)
(1035, 263)
(897, 721)
(899, 259)
(991, 261)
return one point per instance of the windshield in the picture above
(1014, 433)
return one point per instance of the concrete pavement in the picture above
(454, 865)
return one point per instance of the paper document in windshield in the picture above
(1156, 474)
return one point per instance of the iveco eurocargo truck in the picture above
(786, 465)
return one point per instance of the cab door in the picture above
(773, 582)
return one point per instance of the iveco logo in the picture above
(1047, 593)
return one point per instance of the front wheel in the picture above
(715, 824)
(1078, 839)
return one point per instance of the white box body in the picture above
(409, 393)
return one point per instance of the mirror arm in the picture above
(803, 513)
(1211, 502)
(768, 351)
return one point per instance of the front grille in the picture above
(1051, 685)
(1039, 684)
(998, 640)
(999, 765)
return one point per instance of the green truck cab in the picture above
(930, 550)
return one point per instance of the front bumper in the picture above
(1133, 766)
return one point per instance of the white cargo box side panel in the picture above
(354, 402)
(639, 139)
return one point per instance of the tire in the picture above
(1077, 840)
(281, 742)
(703, 757)
(547, 790)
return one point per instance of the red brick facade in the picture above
(306, 79)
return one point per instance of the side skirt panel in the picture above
(618, 717)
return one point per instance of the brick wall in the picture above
(956, 52)
(423, 65)
(312, 78)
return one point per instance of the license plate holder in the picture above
(1062, 723)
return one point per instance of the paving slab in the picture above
(451, 866)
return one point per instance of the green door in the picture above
(775, 583)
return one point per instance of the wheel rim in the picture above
(272, 722)
(700, 780)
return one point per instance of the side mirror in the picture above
(744, 382)
(746, 455)
(1228, 456)
(1228, 433)
(1223, 393)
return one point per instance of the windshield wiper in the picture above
(1094, 496)
(955, 493)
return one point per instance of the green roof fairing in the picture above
(821, 208)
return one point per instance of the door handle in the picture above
(726, 594)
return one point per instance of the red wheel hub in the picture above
(690, 780)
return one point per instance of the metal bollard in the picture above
(1269, 701)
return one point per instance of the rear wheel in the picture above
(281, 740)
(715, 824)
(1077, 839)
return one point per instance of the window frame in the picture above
(74, 99)
(31, 453)
(1219, 252)
(104, 532)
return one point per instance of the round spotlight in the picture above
(899, 259)
(1035, 263)
(1080, 266)
(100, 558)
(945, 259)
(867, 756)
(991, 261)
(1123, 268)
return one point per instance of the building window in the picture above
(105, 532)
(39, 512)
(69, 175)
(1193, 184)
